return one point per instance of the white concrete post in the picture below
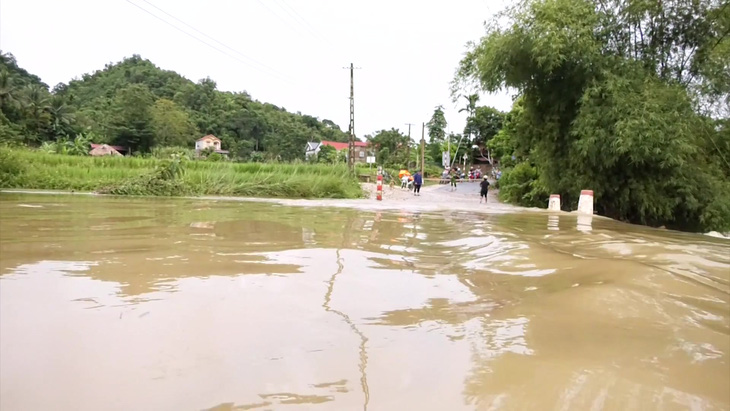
(554, 203)
(585, 203)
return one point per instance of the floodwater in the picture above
(153, 304)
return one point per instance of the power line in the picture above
(277, 15)
(254, 61)
(272, 71)
(217, 41)
(294, 27)
(301, 19)
(295, 16)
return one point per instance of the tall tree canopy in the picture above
(436, 133)
(484, 124)
(392, 147)
(626, 97)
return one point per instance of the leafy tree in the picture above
(131, 124)
(256, 157)
(327, 154)
(35, 103)
(7, 89)
(97, 102)
(437, 125)
(436, 133)
(470, 108)
(62, 117)
(613, 97)
(485, 124)
(171, 124)
(20, 76)
(391, 147)
(504, 145)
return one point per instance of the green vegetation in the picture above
(137, 105)
(627, 98)
(393, 148)
(329, 155)
(437, 135)
(33, 169)
(395, 152)
(482, 124)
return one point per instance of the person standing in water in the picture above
(417, 182)
(484, 189)
(453, 179)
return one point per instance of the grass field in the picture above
(20, 168)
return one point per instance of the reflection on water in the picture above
(585, 222)
(182, 304)
(553, 222)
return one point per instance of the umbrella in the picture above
(403, 173)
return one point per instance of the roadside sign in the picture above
(446, 159)
(371, 159)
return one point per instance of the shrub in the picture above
(11, 169)
(169, 152)
(521, 185)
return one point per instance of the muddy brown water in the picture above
(151, 304)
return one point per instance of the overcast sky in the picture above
(287, 52)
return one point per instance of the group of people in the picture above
(456, 174)
(415, 181)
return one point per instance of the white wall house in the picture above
(312, 149)
(209, 141)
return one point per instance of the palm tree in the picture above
(471, 104)
(7, 89)
(62, 116)
(35, 103)
(35, 98)
(470, 108)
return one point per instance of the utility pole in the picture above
(448, 148)
(351, 145)
(423, 147)
(409, 130)
(408, 148)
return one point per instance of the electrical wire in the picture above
(270, 71)
(295, 27)
(217, 41)
(294, 14)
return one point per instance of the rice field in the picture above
(39, 170)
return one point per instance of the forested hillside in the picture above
(135, 104)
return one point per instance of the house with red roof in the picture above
(361, 149)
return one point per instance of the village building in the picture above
(208, 142)
(106, 150)
(360, 154)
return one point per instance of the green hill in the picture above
(139, 105)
